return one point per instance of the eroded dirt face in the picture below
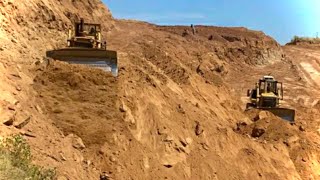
(174, 112)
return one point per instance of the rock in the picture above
(162, 130)
(77, 142)
(180, 109)
(38, 108)
(168, 138)
(28, 134)
(11, 108)
(205, 146)
(88, 162)
(37, 62)
(14, 40)
(104, 176)
(258, 131)
(116, 153)
(189, 140)
(240, 125)
(184, 144)
(19, 67)
(302, 128)
(198, 129)
(123, 108)
(168, 165)
(197, 105)
(183, 149)
(7, 118)
(293, 139)
(18, 88)
(112, 159)
(21, 121)
(57, 111)
(62, 157)
(262, 115)
(16, 74)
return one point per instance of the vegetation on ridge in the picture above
(309, 40)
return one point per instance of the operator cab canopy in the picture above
(268, 78)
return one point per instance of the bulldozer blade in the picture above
(284, 113)
(99, 58)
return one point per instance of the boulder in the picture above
(77, 142)
(7, 118)
(21, 120)
(262, 115)
(258, 131)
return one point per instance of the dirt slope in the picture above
(30, 27)
(298, 72)
(174, 112)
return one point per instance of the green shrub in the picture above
(15, 161)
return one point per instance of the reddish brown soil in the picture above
(174, 112)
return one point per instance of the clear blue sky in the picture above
(281, 19)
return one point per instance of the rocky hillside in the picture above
(174, 112)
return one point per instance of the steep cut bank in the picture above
(28, 28)
(174, 112)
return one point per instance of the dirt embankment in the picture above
(30, 27)
(174, 112)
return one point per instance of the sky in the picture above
(281, 19)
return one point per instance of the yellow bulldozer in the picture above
(266, 95)
(85, 46)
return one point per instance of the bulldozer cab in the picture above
(86, 29)
(270, 86)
